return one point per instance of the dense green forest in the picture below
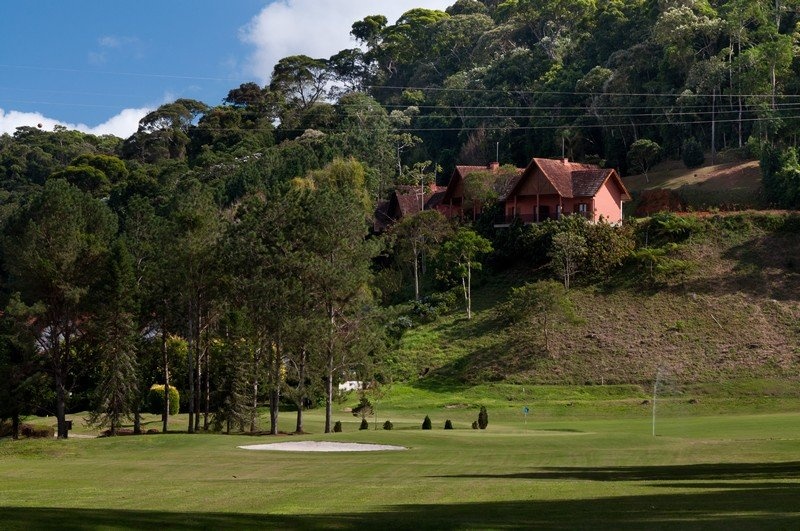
(225, 250)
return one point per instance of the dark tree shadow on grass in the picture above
(705, 471)
(770, 507)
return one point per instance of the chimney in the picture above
(565, 160)
(493, 166)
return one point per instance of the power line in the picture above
(112, 73)
(579, 93)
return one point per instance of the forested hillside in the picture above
(225, 249)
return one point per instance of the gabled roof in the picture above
(586, 183)
(571, 179)
(405, 201)
(461, 172)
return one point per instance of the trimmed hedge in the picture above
(388, 425)
(337, 428)
(448, 425)
(364, 425)
(155, 399)
(426, 424)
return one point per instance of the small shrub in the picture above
(388, 425)
(426, 424)
(364, 425)
(474, 424)
(155, 399)
(448, 425)
(692, 153)
(337, 427)
(483, 418)
(424, 312)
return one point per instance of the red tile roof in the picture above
(503, 187)
(405, 201)
(572, 179)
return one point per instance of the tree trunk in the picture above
(165, 358)
(207, 390)
(329, 371)
(15, 426)
(774, 80)
(469, 290)
(254, 416)
(198, 378)
(301, 391)
(61, 405)
(137, 421)
(275, 391)
(190, 359)
(60, 376)
(329, 393)
(416, 273)
(714, 126)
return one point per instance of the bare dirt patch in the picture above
(321, 446)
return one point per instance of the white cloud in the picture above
(317, 28)
(109, 41)
(122, 125)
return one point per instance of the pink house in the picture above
(548, 189)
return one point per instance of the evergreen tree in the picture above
(55, 248)
(117, 395)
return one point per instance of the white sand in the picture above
(321, 446)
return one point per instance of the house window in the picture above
(583, 208)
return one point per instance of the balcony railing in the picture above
(531, 218)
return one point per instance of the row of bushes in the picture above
(427, 424)
(27, 430)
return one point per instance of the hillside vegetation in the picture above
(731, 314)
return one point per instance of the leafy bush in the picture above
(364, 425)
(483, 418)
(155, 399)
(692, 153)
(337, 427)
(388, 425)
(781, 176)
(448, 425)
(426, 424)
(444, 301)
(397, 327)
(474, 424)
(424, 312)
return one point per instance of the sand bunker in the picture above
(321, 446)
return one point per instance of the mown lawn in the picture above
(711, 467)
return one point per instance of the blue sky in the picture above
(99, 65)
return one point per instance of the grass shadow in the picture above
(756, 507)
(706, 471)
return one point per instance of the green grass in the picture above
(583, 458)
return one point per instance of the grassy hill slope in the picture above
(735, 314)
(728, 183)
